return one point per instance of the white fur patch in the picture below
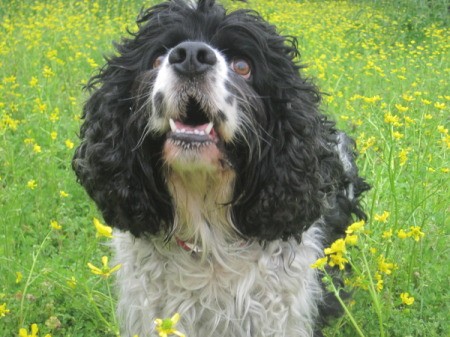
(240, 289)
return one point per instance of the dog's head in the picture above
(201, 106)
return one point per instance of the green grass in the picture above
(385, 75)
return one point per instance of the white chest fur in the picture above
(241, 290)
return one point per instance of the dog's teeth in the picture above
(209, 128)
(173, 126)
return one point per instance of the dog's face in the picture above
(202, 97)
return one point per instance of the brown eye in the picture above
(158, 62)
(241, 67)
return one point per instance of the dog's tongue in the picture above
(182, 126)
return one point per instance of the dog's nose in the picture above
(192, 58)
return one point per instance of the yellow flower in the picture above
(19, 277)
(34, 332)
(102, 230)
(3, 310)
(401, 108)
(392, 119)
(337, 260)
(351, 240)
(439, 106)
(385, 267)
(355, 227)
(406, 299)
(387, 234)
(53, 135)
(72, 283)
(31, 184)
(55, 225)
(403, 156)
(166, 327)
(33, 82)
(37, 148)
(402, 234)
(337, 246)
(320, 263)
(105, 271)
(416, 233)
(47, 72)
(380, 282)
(383, 217)
(63, 194)
(69, 144)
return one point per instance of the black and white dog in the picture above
(206, 150)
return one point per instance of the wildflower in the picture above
(402, 234)
(403, 156)
(34, 330)
(102, 230)
(166, 327)
(385, 267)
(33, 82)
(428, 116)
(416, 233)
(439, 106)
(19, 277)
(387, 234)
(55, 225)
(397, 135)
(105, 271)
(53, 135)
(69, 144)
(380, 282)
(31, 184)
(392, 119)
(72, 283)
(47, 72)
(3, 310)
(63, 194)
(401, 108)
(351, 239)
(37, 148)
(320, 263)
(337, 260)
(406, 299)
(383, 217)
(337, 246)
(355, 227)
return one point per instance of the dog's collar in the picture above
(187, 246)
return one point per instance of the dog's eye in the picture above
(241, 67)
(158, 61)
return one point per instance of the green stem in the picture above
(113, 307)
(30, 280)
(347, 311)
(373, 294)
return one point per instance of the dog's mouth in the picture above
(193, 140)
(194, 129)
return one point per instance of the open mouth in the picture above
(194, 128)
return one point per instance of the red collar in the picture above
(189, 247)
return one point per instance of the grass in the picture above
(385, 75)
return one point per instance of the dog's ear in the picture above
(285, 197)
(116, 167)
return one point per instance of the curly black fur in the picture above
(287, 178)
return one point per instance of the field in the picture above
(384, 72)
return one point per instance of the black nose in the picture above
(192, 58)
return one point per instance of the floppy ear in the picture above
(287, 194)
(119, 170)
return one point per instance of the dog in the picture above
(205, 148)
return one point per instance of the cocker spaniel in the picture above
(204, 147)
